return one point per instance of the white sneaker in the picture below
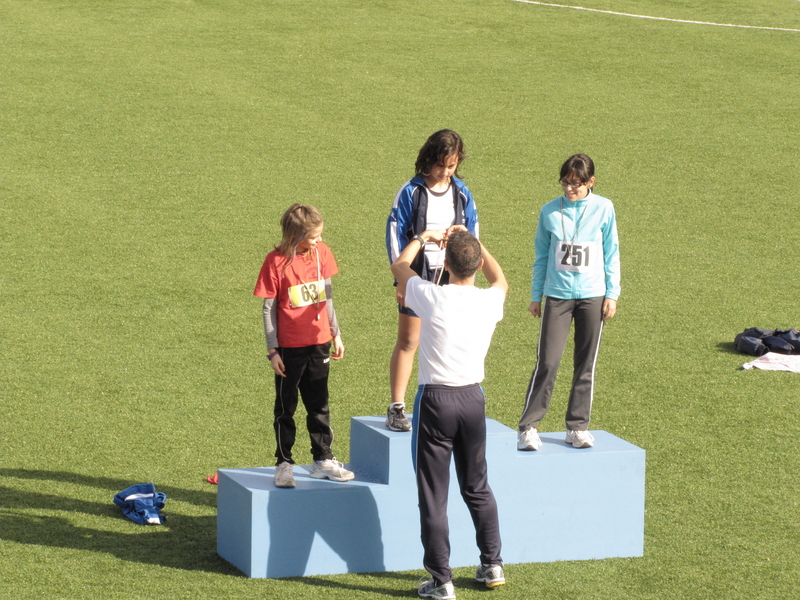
(529, 439)
(579, 439)
(284, 478)
(428, 589)
(331, 469)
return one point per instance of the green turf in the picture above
(148, 148)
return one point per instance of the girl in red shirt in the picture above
(302, 335)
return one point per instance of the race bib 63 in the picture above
(307, 293)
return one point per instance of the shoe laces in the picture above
(332, 462)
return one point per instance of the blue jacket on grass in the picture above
(141, 503)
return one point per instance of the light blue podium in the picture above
(558, 503)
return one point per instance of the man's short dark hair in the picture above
(463, 254)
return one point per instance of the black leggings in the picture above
(306, 370)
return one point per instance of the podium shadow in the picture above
(346, 520)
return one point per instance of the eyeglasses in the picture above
(572, 184)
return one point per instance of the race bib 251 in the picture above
(580, 257)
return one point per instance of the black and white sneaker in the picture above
(396, 418)
(429, 589)
(491, 575)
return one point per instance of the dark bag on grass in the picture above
(757, 342)
(750, 345)
(792, 337)
(776, 344)
(757, 333)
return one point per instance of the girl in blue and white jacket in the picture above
(577, 270)
(434, 199)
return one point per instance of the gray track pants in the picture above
(557, 316)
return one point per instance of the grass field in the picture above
(148, 148)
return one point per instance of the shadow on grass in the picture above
(728, 347)
(185, 542)
(410, 582)
(411, 585)
(113, 485)
(469, 583)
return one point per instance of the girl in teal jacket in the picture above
(577, 270)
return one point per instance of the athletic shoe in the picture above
(529, 439)
(491, 575)
(428, 589)
(396, 418)
(580, 439)
(283, 475)
(331, 469)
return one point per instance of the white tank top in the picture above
(441, 214)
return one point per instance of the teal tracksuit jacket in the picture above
(576, 250)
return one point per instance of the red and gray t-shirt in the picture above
(299, 292)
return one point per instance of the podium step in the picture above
(557, 503)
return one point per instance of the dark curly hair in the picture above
(440, 145)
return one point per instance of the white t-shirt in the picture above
(457, 326)
(441, 214)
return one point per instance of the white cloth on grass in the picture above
(772, 361)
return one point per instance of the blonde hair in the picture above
(296, 222)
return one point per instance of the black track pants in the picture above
(451, 421)
(306, 370)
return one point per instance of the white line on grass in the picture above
(611, 12)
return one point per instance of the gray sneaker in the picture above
(330, 469)
(396, 418)
(491, 575)
(284, 478)
(580, 439)
(429, 589)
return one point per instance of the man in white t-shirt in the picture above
(458, 321)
